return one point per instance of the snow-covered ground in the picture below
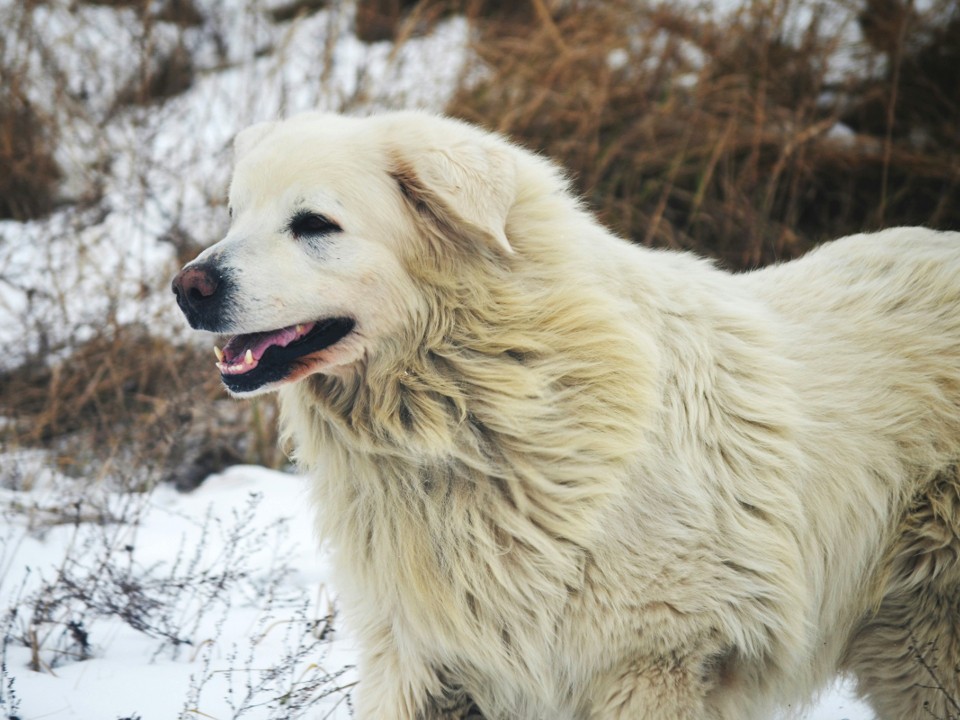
(237, 568)
(270, 613)
(213, 604)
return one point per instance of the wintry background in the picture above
(156, 554)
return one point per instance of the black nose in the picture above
(201, 291)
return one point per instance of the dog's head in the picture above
(328, 213)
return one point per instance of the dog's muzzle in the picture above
(203, 294)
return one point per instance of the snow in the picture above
(235, 566)
(249, 518)
(131, 674)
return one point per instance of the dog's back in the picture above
(873, 323)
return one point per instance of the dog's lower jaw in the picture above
(381, 697)
(340, 360)
(265, 389)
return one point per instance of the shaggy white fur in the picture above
(565, 477)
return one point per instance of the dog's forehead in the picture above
(323, 156)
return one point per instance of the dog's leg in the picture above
(395, 689)
(906, 656)
(666, 689)
(445, 706)
(452, 706)
(391, 689)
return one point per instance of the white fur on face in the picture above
(387, 189)
(280, 279)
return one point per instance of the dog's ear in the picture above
(465, 189)
(250, 136)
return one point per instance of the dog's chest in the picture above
(465, 582)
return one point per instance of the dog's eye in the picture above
(309, 223)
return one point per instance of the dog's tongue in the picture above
(235, 351)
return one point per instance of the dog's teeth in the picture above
(299, 329)
(219, 353)
(248, 358)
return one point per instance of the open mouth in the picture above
(248, 362)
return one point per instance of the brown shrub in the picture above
(917, 98)
(161, 77)
(296, 8)
(135, 407)
(679, 132)
(180, 12)
(684, 134)
(397, 20)
(30, 173)
(162, 73)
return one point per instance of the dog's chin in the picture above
(258, 363)
(246, 394)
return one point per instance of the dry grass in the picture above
(137, 409)
(123, 404)
(28, 181)
(685, 134)
(170, 74)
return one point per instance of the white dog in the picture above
(568, 477)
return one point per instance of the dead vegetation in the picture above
(29, 180)
(137, 409)
(112, 401)
(726, 138)
(28, 137)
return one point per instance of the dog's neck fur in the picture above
(459, 397)
(485, 427)
(463, 403)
